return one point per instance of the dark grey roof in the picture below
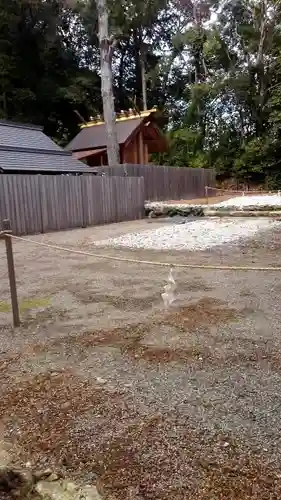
(26, 147)
(25, 136)
(94, 136)
(35, 161)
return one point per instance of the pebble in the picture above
(101, 380)
(53, 477)
(71, 487)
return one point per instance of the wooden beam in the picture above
(125, 157)
(145, 153)
(135, 150)
(141, 148)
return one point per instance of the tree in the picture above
(140, 26)
(213, 66)
(44, 72)
(106, 49)
(231, 103)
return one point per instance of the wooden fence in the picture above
(41, 203)
(167, 183)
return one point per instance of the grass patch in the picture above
(32, 303)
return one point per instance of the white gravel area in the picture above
(248, 201)
(195, 235)
(271, 200)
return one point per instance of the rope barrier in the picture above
(241, 191)
(146, 262)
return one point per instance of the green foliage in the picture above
(252, 160)
(41, 62)
(232, 117)
(183, 147)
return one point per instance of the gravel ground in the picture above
(196, 235)
(103, 384)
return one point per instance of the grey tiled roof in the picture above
(26, 147)
(18, 160)
(25, 136)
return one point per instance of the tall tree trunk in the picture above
(201, 70)
(260, 65)
(143, 77)
(121, 100)
(138, 69)
(106, 48)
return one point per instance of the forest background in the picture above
(212, 66)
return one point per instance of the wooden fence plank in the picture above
(45, 203)
(41, 203)
(19, 202)
(62, 206)
(164, 183)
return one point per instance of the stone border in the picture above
(160, 210)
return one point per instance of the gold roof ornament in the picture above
(123, 116)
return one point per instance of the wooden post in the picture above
(11, 271)
(135, 151)
(140, 148)
(145, 153)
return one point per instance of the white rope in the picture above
(146, 262)
(243, 192)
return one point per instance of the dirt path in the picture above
(105, 385)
